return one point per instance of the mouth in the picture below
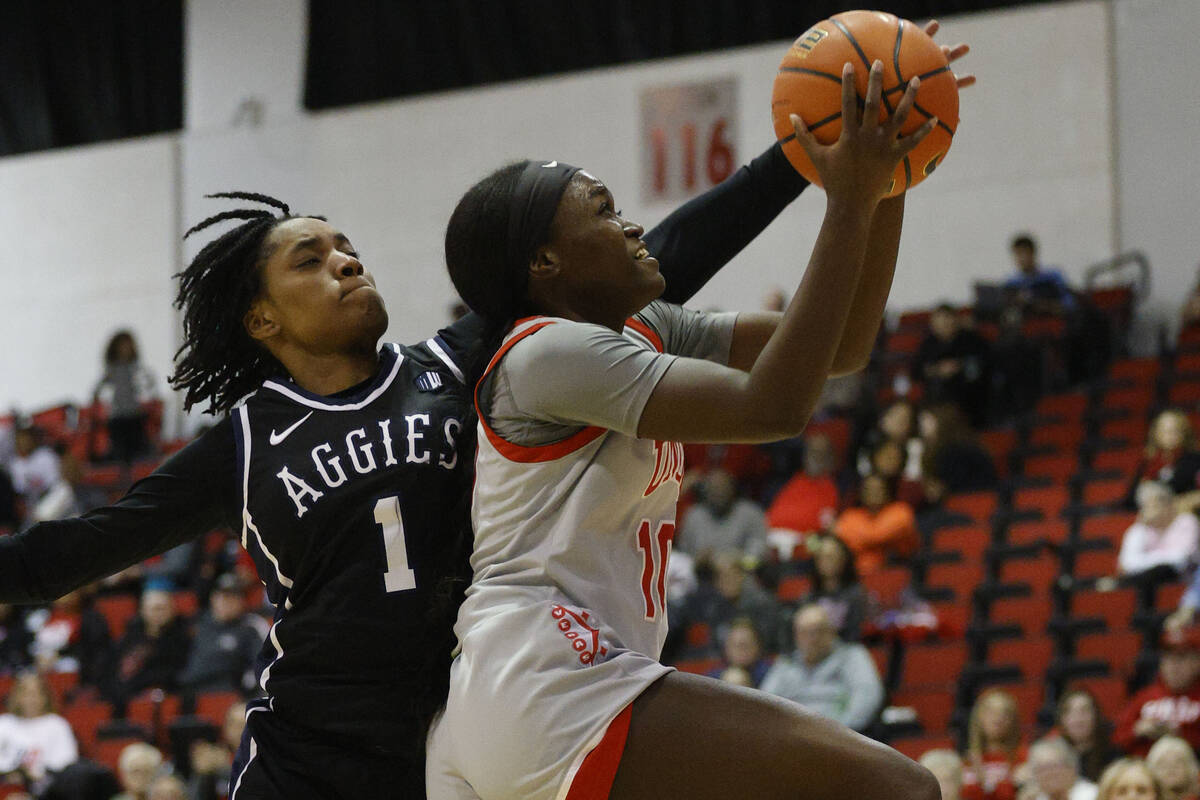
(355, 287)
(643, 254)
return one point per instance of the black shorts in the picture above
(278, 760)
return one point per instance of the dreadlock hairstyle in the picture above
(218, 362)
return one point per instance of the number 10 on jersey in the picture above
(656, 549)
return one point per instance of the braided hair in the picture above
(218, 362)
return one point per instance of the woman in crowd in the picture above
(125, 385)
(995, 751)
(1080, 722)
(1129, 779)
(1170, 456)
(1173, 764)
(742, 652)
(1162, 538)
(35, 742)
(878, 528)
(836, 587)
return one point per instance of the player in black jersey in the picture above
(340, 473)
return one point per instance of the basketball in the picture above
(810, 77)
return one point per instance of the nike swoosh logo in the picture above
(276, 438)
(550, 165)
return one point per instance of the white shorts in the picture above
(531, 695)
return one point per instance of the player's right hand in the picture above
(860, 164)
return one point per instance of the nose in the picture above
(633, 230)
(350, 267)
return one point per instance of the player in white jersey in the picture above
(557, 693)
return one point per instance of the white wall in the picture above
(1034, 152)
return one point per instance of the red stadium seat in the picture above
(1095, 563)
(1032, 655)
(1049, 500)
(952, 618)
(1186, 363)
(1110, 693)
(1168, 596)
(117, 609)
(1040, 573)
(916, 746)
(62, 684)
(1104, 492)
(1115, 608)
(213, 706)
(914, 320)
(186, 603)
(1137, 370)
(904, 342)
(1044, 328)
(961, 578)
(936, 665)
(934, 707)
(979, 506)
(108, 751)
(1131, 430)
(1030, 696)
(1189, 339)
(153, 710)
(1071, 405)
(887, 584)
(1117, 648)
(1124, 460)
(699, 666)
(1184, 393)
(85, 718)
(1063, 437)
(969, 541)
(1030, 614)
(999, 444)
(1060, 467)
(1110, 526)
(1055, 531)
(1135, 400)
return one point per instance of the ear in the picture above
(260, 321)
(545, 264)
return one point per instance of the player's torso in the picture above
(349, 517)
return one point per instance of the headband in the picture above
(530, 212)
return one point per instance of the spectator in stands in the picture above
(137, 767)
(742, 650)
(954, 362)
(72, 636)
(809, 501)
(1035, 288)
(724, 593)
(897, 423)
(1016, 368)
(1128, 779)
(167, 787)
(906, 486)
(125, 385)
(151, 653)
(225, 641)
(878, 528)
(830, 677)
(1081, 724)
(211, 761)
(994, 748)
(1171, 456)
(34, 469)
(722, 521)
(1173, 763)
(1054, 773)
(947, 767)
(69, 496)
(836, 587)
(15, 640)
(1169, 705)
(1161, 537)
(952, 460)
(34, 741)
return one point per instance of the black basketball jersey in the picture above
(347, 512)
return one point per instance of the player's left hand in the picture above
(952, 54)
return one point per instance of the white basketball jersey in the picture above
(587, 521)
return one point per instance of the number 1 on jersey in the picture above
(399, 576)
(655, 550)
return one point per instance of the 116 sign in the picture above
(688, 138)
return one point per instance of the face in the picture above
(814, 634)
(25, 442)
(138, 772)
(928, 423)
(875, 492)
(944, 324)
(1157, 508)
(226, 606)
(1024, 258)
(888, 458)
(818, 456)
(595, 261)
(728, 577)
(1134, 783)
(1079, 718)
(1173, 768)
(1170, 430)
(1179, 668)
(157, 608)
(315, 296)
(995, 718)
(1053, 773)
(896, 421)
(719, 489)
(28, 698)
(124, 348)
(741, 647)
(830, 559)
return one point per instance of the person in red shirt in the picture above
(1169, 705)
(995, 752)
(809, 501)
(878, 528)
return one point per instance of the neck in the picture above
(327, 374)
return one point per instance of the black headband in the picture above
(530, 212)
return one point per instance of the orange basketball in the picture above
(809, 83)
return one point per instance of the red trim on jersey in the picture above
(595, 777)
(647, 331)
(519, 452)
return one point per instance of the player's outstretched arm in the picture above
(701, 401)
(192, 493)
(700, 237)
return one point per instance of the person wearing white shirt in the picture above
(34, 741)
(1054, 773)
(1161, 536)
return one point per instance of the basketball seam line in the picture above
(813, 72)
(853, 42)
(940, 124)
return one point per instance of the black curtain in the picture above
(377, 49)
(79, 72)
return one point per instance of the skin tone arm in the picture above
(701, 401)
